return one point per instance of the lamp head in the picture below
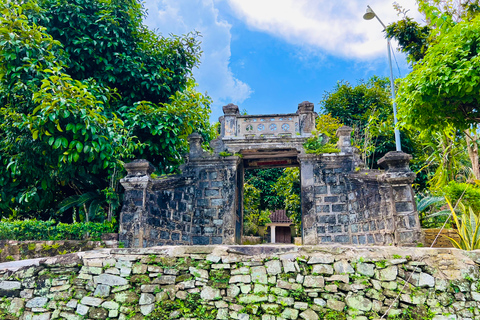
(369, 15)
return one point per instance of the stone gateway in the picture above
(341, 201)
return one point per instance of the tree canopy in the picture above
(84, 86)
(444, 86)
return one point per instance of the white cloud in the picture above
(214, 75)
(336, 27)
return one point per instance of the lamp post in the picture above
(369, 15)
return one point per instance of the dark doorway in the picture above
(283, 235)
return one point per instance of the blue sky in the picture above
(267, 56)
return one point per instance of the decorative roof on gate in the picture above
(279, 216)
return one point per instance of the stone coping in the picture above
(433, 256)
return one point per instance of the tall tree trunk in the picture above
(472, 148)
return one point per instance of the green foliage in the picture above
(324, 137)
(443, 157)
(317, 145)
(31, 229)
(467, 227)
(412, 37)
(84, 87)
(445, 82)
(367, 108)
(468, 193)
(327, 125)
(264, 180)
(224, 154)
(288, 188)
(429, 211)
(191, 307)
(253, 217)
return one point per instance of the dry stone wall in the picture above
(245, 282)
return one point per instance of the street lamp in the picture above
(369, 15)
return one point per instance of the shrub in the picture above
(468, 224)
(471, 197)
(32, 229)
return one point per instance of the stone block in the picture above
(313, 282)
(273, 267)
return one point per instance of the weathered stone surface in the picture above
(251, 298)
(288, 285)
(290, 266)
(324, 258)
(335, 305)
(271, 308)
(240, 279)
(37, 302)
(351, 294)
(42, 316)
(111, 305)
(343, 266)
(165, 280)
(82, 309)
(274, 267)
(110, 280)
(102, 291)
(198, 273)
(358, 302)
(313, 281)
(91, 301)
(146, 298)
(290, 313)
(70, 316)
(387, 274)
(322, 269)
(259, 275)
(366, 269)
(209, 293)
(10, 285)
(147, 309)
(98, 313)
(426, 280)
(126, 297)
(16, 306)
(233, 291)
(300, 305)
(309, 314)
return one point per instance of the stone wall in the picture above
(11, 250)
(344, 203)
(245, 282)
(192, 208)
(341, 201)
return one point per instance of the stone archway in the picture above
(341, 201)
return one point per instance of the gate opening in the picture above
(271, 196)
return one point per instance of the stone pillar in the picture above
(195, 140)
(344, 134)
(229, 122)
(137, 184)
(309, 217)
(216, 200)
(307, 118)
(272, 234)
(344, 143)
(405, 217)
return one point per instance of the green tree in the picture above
(84, 86)
(368, 109)
(443, 89)
(264, 180)
(288, 188)
(253, 217)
